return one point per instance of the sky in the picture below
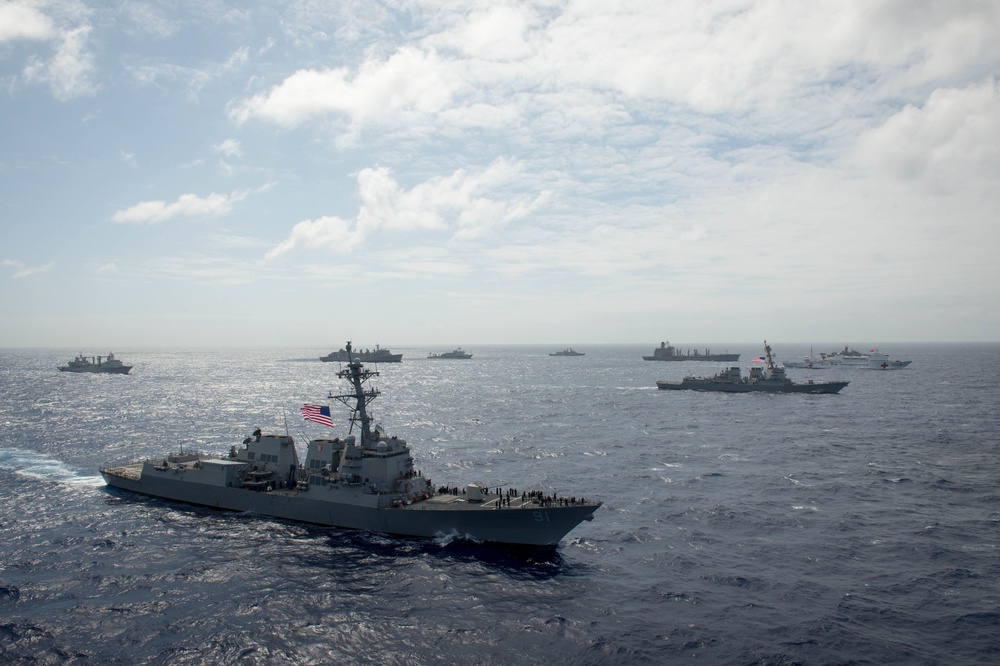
(453, 172)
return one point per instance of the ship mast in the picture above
(770, 371)
(357, 375)
(767, 350)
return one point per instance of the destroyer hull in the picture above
(439, 516)
(822, 387)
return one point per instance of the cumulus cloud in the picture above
(323, 232)
(23, 20)
(499, 33)
(953, 138)
(408, 80)
(468, 204)
(757, 56)
(187, 205)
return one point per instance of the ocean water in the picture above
(856, 528)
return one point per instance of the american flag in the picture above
(758, 359)
(317, 414)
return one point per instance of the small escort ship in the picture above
(377, 355)
(666, 352)
(107, 364)
(365, 481)
(569, 351)
(456, 353)
(769, 379)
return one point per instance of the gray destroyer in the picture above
(666, 352)
(769, 379)
(364, 481)
(106, 364)
(457, 353)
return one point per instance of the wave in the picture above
(35, 465)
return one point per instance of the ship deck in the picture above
(460, 503)
(130, 472)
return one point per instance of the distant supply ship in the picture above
(569, 351)
(364, 481)
(377, 355)
(457, 353)
(769, 379)
(665, 352)
(107, 364)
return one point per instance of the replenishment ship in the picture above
(107, 364)
(666, 352)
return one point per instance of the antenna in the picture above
(357, 375)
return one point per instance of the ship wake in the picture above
(40, 466)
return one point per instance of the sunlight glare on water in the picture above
(735, 528)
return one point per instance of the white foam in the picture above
(35, 465)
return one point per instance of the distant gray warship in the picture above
(569, 351)
(377, 355)
(769, 379)
(665, 352)
(107, 364)
(365, 481)
(457, 353)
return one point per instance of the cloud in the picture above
(199, 268)
(168, 75)
(149, 20)
(69, 72)
(229, 148)
(499, 33)
(23, 272)
(187, 205)
(235, 241)
(954, 138)
(22, 20)
(469, 204)
(768, 61)
(409, 80)
(332, 232)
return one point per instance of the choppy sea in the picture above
(858, 528)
